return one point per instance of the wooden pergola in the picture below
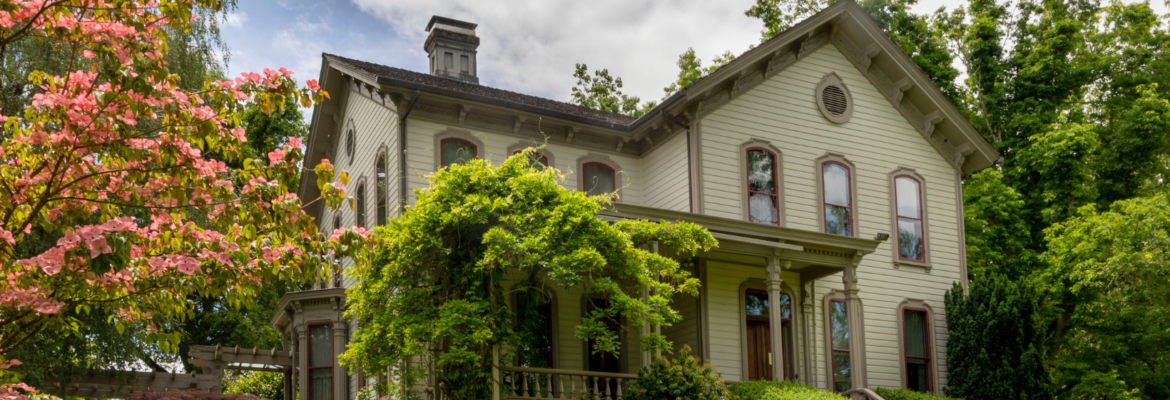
(212, 361)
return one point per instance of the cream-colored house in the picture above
(824, 161)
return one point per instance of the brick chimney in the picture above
(451, 48)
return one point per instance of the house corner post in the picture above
(775, 317)
(856, 325)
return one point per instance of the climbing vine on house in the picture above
(436, 291)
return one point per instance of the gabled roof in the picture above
(431, 82)
(843, 24)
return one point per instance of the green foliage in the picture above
(690, 69)
(783, 390)
(433, 290)
(778, 15)
(1109, 268)
(604, 92)
(907, 394)
(1095, 385)
(262, 384)
(685, 378)
(998, 238)
(995, 347)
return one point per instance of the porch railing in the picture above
(544, 383)
(862, 394)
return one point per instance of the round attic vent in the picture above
(833, 99)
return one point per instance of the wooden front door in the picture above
(759, 339)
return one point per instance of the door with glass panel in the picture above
(759, 335)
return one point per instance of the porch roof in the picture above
(812, 254)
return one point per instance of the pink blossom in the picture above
(98, 247)
(312, 84)
(7, 237)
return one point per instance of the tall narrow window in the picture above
(381, 191)
(448, 61)
(464, 64)
(600, 361)
(763, 192)
(320, 362)
(838, 199)
(917, 346)
(361, 205)
(599, 179)
(456, 151)
(839, 330)
(911, 238)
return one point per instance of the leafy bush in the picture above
(906, 394)
(772, 390)
(685, 378)
(263, 384)
(192, 394)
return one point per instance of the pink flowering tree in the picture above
(112, 158)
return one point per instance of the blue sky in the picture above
(528, 46)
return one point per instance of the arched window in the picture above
(381, 190)
(350, 143)
(839, 342)
(763, 188)
(911, 229)
(320, 340)
(336, 222)
(361, 205)
(456, 151)
(916, 349)
(838, 198)
(598, 179)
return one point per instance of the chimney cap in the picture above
(449, 21)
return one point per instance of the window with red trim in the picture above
(456, 151)
(534, 324)
(535, 159)
(763, 186)
(839, 330)
(911, 229)
(361, 205)
(838, 199)
(382, 194)
(916, 346)
(320, 340)
(598, 178)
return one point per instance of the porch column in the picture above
(340, 378)
(300, 370)
(856, 325)
(776, 317)
(646, 356)
(808, 330)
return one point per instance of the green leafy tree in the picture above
(690, 69)
(1110, 268)
(778, 15)
(995, 345)
(604, 92)
(262, 384)
(433, 291)
(998, 239)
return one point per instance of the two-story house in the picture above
(825, 162)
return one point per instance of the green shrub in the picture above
(785, 390)
(907, 394)
(685, 378)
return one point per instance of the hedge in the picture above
(906, 394)
(771, 390)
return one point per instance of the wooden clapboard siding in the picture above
(376, 128)
(666, 175)
(686, 331)
(876, 140)
(420, 158)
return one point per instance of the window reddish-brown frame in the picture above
(928, 358)
(382, 209)
(775, 181)
(543, 158)
(920, 219)
(833, 360)
(849, 196)
(612, 174)
(474, 149)
(360, 215)
(309, 356)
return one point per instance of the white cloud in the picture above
(235, 20)
(531, 46)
